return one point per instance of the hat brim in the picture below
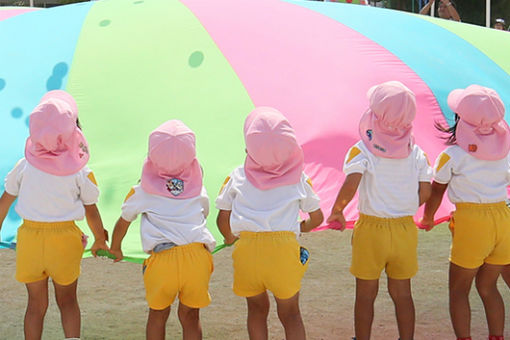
(65, 163)
(153, 183)
(454, 98)
(489, 147)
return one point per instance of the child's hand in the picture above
(427, 223)
(117, 253)
(99, 244)
(337, 220)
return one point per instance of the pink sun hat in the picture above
(386, 127)
(62, 95)
(56, 145)
(274, 157)
(481, 130)
(171, 168)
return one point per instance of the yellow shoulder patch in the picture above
(224, 183)
(427, 158)
(130, 193)
(353, 153)
(309, 181)
(92, 178)
(443, 159)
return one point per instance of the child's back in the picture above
(393, 177)
(259, 204)
(54, 188)
(174, 205)
(476, 171)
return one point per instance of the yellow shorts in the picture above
(185, 270)
(268, 261)
(480, 234)
(48, 249)
(384, 243)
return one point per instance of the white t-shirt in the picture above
(471, 179)
(258, 210)
(388, 187)
(44, 197)
(164, 219)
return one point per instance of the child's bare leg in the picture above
(67, 302)
(460, 281)
(290, 316)
(366, 292)
(505, 273)
(36, 309)
(156, 323)
(400, 292)
(486, 284)
(258, 309)
(190, 322)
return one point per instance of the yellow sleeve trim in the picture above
(92, 178)
(130, 193)
(443, 159)
(353, 153)
(224, 183)
(309, 181)
(427, 158)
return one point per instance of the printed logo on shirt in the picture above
(472, 147)
(175, 186)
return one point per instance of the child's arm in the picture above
(424, 191)
(345, 195)
(119, 232)
(5, 203)
(223, 223)
(433, 204)
(96, 226)
(314, 220)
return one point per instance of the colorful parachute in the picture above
(132, 65)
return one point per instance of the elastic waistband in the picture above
(48, 225)
(385, 220)
(184, 248)
(481, 206)
(267, 235)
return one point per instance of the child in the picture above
(393, 177)
(174, 204)
(476, 171)
(54, 187)
(259, 204)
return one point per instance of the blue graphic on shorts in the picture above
(304, 254)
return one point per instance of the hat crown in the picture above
(393, 104)
(270, 140)
(51, 124)
(172, 147)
